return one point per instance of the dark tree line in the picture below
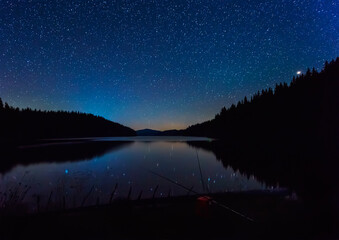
(287, 136)
(27, 124)
(304, 112)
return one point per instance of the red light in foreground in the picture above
(203, 206)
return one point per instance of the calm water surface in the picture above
(130, 166)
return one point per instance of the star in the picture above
(157, 64)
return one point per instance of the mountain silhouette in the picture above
(148, 132)
(151, 132)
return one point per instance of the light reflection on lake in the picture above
(130, 167)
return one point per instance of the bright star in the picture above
(299, 72)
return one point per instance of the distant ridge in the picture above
(148, 132)
(151, 132)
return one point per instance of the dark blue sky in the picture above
(156, 63)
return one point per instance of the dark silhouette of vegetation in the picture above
(312, 174)
(289, 137)
(27, 124)
(296, 115)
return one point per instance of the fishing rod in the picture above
(213, 201)
(201, 177)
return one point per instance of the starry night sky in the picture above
(157, 63)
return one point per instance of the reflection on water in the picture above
(93, 168)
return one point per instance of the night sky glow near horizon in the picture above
(157, 63)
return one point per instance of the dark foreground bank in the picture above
(276, 215)
(308, 210)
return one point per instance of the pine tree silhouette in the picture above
(304, 111)
(24, 124)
